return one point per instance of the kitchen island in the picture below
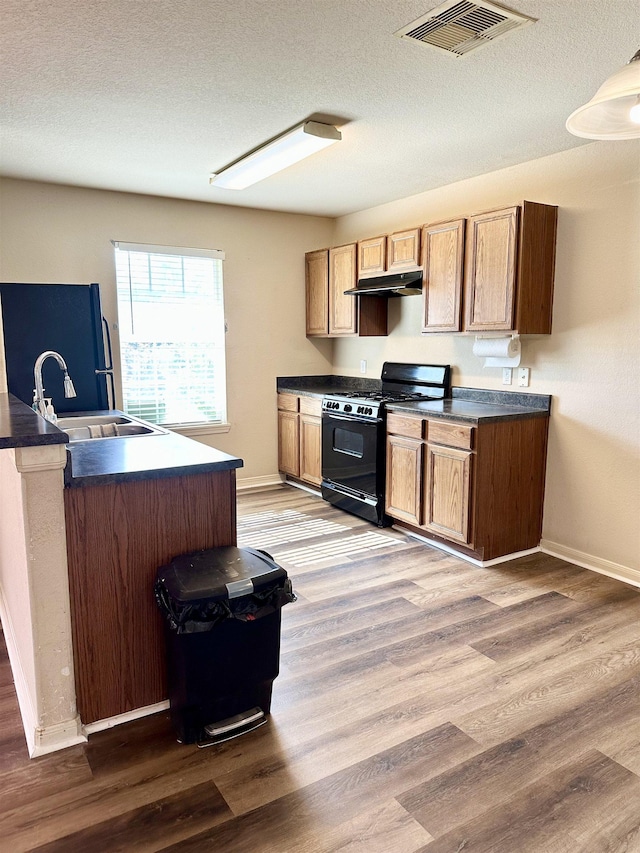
(78, 560)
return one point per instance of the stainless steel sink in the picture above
(89, 426)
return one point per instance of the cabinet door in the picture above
(403, 250)
(442, 259)
(288, 443)
(310, 449)
(342, 276)
(490, 281)
(371, 256)
(447, 494)
(317, 292)
(404, 478)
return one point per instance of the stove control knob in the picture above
(347, 407)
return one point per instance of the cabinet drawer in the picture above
(453, 435)
(404, 425)
(311, 406)
(288, 402)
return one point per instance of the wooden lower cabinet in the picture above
(310, 449)
(404, 478)
(480, 487)
(289, 443)
(300, 437)
(447, 492)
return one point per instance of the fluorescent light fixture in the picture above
(284, 151)
(612, 113)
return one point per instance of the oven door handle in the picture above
(352, 419)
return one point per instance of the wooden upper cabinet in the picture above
(372, 256)
(395, 253)
(317, 292)
(403, 250)
(510, 265)
(342, 276)
(443, 265)
(492, 245)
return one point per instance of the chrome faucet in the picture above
(39, 403)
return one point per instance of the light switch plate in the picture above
(363, 366)
(506, 376)
(523, 376)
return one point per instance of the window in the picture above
(171, 323)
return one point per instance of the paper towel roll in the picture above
(498, 352)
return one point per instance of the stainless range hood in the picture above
(393, 284)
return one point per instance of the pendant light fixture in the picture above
(281, 152)
(614, 110)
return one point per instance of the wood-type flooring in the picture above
(424, 705)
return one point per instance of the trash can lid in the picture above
(219, 573)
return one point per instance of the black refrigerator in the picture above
(66, 318)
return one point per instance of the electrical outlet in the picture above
(523, 376)
(363, 366)
(506, 376)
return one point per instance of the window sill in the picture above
(198, 429)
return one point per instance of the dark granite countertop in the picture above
(118, 460)
(20, 426)
(473, 405)
(318, 386)
(111, 460)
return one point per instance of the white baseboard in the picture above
(40, 741)
(243, 483)
(56, 737)
(595, 564)
(110, 722)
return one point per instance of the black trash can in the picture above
(222, 617)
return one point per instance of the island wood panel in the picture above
(117, 537)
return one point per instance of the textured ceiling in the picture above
(151, 96)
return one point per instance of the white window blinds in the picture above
(171, 324)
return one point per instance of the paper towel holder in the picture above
(507, 355)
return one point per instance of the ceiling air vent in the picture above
(459, 27)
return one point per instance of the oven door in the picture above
(351, 454)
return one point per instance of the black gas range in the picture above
(354, 435)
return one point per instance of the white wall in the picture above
(62, 234)
(590, 363)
